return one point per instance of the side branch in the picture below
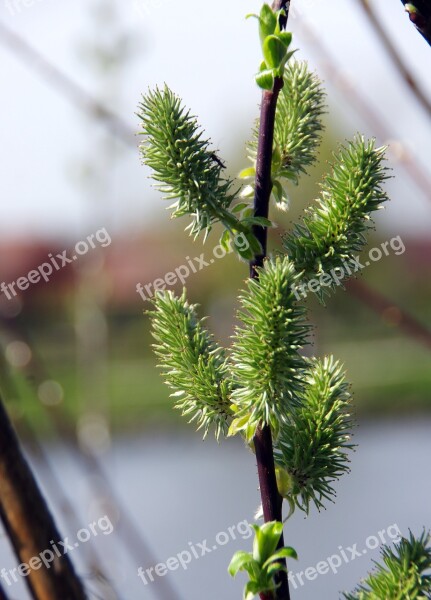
(392, 51)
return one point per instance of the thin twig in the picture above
(78, 95)
(419, 12)
(395, 56)
(271, 499)
(412, 165)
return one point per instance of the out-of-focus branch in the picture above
(395, 56)
(132, 538)
(54, 489)
(3, 594)
(412, 165)
(78, 95)
(420, 15)
(30, 525)
(380, 304)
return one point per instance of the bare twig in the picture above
(57, 78)
(395, 56)
(29, 523)
(420, 15)
(412, 165)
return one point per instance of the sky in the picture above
(208, 53)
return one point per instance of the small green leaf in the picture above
(265, 79)
(267, 22)
(258, 221)
(266, 540)
(411, 9)
(289, 55)
(285, 37)
(224, 240)
(246, 173)
(237, 425)
(252, 588)
(274, 51)
(239, 207)
(286, 552)
(247, 192)
(284, 481)
(248, 212)
(277, 190)
(241, 561)
(281, 198)
(255, 247)
(286, 174)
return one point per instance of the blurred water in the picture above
(180, 490)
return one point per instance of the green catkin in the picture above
(192, 363)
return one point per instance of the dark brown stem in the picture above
(395, 56)
(271, 499)
(29, 524)
(3, 594)
(133, 540)
(282, 5)
(421, 18)
(263, 168)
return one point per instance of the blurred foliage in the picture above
(389, 371)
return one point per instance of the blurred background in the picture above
(76, 367)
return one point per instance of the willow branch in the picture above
(67, 87)
(416, 171)
(419, 12)
(282, 5)
(3, 594)
(390, 48)
(29, 523)
(271, 499)
(379, 304)
(134, 542)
